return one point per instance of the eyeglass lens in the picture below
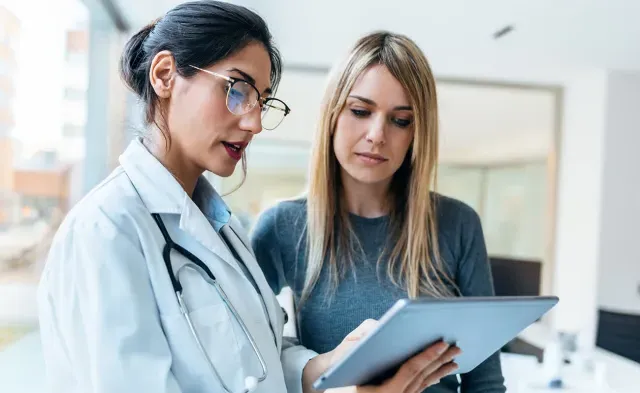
(242, 98)
(273, 112)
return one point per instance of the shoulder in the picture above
(99, 236)
(284, 216)
(458, 224)
(109, 212)
(280, 226)
(292, 212)
(453, 214)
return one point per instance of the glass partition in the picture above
(511, 200)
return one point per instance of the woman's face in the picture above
(203, 132)
(375, 129)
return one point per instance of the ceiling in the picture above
(456, 35)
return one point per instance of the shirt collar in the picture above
(161, 192)
(211, 204)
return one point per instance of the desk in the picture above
(620, 374)
(523, 374)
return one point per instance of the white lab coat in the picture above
(109, 319)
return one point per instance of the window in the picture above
(5, 130)
(72, 93)
(5, 99)
(5, 67)
(36, 180)
(72, 131)
(75, 112)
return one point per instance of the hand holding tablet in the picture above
(416, 374)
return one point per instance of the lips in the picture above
(371, 158)
(234, 149)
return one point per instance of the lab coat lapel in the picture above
(161, 193)
(196, 224)
(242, 246)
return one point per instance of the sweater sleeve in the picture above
(475, 279)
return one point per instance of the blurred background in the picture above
(540, 127)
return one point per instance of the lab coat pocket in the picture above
(214, 325)
(214, 328)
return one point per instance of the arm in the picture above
(99, 306)
(474, 279)
(299, 364)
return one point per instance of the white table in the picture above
(525, 375)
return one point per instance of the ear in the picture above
(162, 73)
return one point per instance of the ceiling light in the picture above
(503, 31)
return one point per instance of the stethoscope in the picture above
(250, 382)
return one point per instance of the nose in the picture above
(252, 121)
(375, 133)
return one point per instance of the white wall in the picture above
(597, 262)
(619, 256)
(579, 196)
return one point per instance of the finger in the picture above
(432, 371)
(413, 368)
(366, 326)
(445, 370)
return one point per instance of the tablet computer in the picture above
(479, 326)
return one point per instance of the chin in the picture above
(227, 172)
(369, 177)
(223, 171)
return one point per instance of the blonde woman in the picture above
(370, 230)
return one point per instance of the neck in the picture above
(366, 200)
(185, 174)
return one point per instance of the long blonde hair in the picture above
(413, 215)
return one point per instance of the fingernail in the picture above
(454, 355)
(442, 348)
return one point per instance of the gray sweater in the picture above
(367, 292)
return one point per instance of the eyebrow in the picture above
(372, 102)
(249, 78)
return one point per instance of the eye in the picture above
(360, 112)
(402, 123)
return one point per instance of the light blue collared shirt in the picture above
(218, 214)
(211, 204)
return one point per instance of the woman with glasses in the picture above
(150, 284)
(370, 230)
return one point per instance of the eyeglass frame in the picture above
(263, 101)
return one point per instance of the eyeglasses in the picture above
(243, 96)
